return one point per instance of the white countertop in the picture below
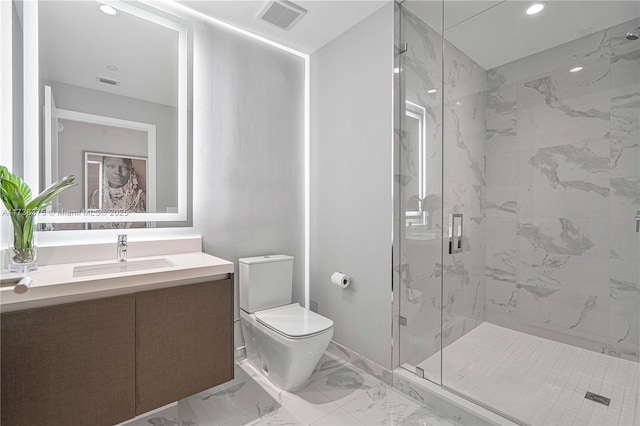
(56, 284)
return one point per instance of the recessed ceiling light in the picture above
(396, 70)
(535, 8)
(576, 69)
(113, 68)
(458, 103)
(109, 10)
(431, 91)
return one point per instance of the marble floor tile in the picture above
(338, 393)
(424, 417)
(185, 413)
(339, 417)
(343, 384)
(381, 405)
(238, 402)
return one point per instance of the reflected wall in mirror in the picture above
(17, 72)
(113, 84)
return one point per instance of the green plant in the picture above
(22, 209)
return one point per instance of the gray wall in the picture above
(18, 87)
(351, 176)
(248, 149)
(78, 138)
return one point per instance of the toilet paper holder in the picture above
(340, 279)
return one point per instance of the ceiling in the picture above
(77, 42)
(323, 22)
(497, 32)
(74, 48)
(492, 32)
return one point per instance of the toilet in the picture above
(284, 341)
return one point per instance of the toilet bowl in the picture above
(284, 341)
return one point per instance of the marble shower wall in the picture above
(562, 187)
(465, 101)
(424, 292)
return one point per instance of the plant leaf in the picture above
(16, 197)
(44, 199)
(22, 187)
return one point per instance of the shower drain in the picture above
(598, 398)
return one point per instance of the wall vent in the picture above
(106, 80)
(281, 13)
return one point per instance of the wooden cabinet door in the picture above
(69, 364)
(184, 342)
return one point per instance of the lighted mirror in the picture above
(421, 189)
(113, 101)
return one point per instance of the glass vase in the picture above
(23, 250)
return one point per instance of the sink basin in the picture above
(118, 267)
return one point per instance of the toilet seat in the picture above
(293, 321)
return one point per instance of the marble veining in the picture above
(628, 188)
(547, 88)
(589, 305)
(509, 206)
(624, 285)
(548, 160)
(572, 274)
(338, 394)
(572, 241)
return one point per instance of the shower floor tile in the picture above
(540, 381)
(338, 394)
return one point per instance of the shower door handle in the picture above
(455, 233)
(638, 221)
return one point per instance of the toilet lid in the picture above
(293, 320)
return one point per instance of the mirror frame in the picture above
(32, 143)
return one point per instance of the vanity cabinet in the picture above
(103, 361)
(69, 364)
(184, 340)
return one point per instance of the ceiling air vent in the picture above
(283, 14)
(106, 80)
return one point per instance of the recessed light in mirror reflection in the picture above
(105, 8)
(432, 91)
(576, 69)
(396, 70)
(535, 8)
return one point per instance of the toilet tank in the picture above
(265, 282)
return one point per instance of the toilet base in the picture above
(287, 363)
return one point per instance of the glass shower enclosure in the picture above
(517, 185)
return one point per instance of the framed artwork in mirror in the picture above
(115, 184)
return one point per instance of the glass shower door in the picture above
(419, 188)
(541, 308)
(519, 187)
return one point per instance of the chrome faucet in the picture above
(122, 248)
